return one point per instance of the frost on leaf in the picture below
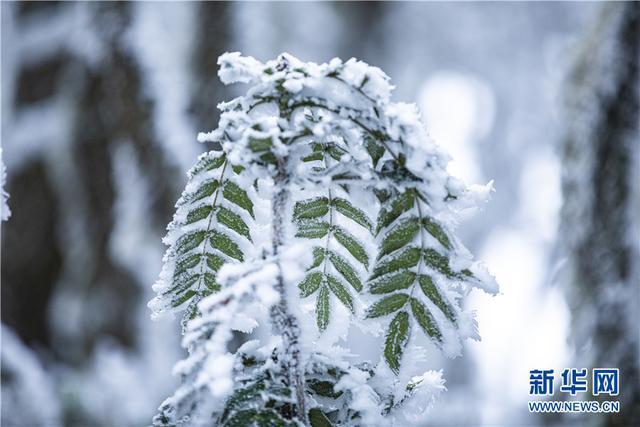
(210, 228)
(421, 270)
(328, 206)
(336, 251)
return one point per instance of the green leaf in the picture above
(233, 221)
(425, 320)
(190, 313)
(336, 152)
(238, 196)
(313, 157)
(186, 263)
(208, 162)
(323, 388)
(205, 190)
(351, 212)
(270, 418)
(406, 259)
(260, 144)
(198, 214)
(242, 418)
(396, 207)
(310, 284)
(269, 157)
(275, 391)
(313, 229)
(466, 274)
(182, 283)
(317, 418)
(237, 168)
(190, 241)
(392, 282)
(318, 257)
(387, 305)
(340, 292)
(322, 308)
(346, 270)
(317, 153)
(438, 262)
(214, 262)
(382, 195)
(312, 208)
(210, 282)
(242, 397)
(177, 302)
(224, 244)
(396, 340)
(352, 245)
(253, 417)
(375, 150)
(436, 231)
(400, 236)
(431, 291)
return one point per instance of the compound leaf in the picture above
(387, 305)
(425, 320)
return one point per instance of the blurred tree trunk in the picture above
(106, 107)
(213, 39)
(73, 67)
(600, 228)
(358, 19)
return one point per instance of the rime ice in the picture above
(328, 207)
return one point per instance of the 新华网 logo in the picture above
(574, 382)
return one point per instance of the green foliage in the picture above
(317, 418)
(388, 305)
(334, 407)
(323, 308)
(347, 209)
(262, 397)
(331, 273)
(414, 256)
(211, 228)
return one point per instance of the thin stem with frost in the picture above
(283, 321)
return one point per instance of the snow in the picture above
(216, 375)
(5, 212)
(293, 86)
(28, 388)
(427, 389)
(234, 68)
(364, 399)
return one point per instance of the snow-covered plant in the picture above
(328, 210)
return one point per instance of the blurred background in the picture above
(101, 103)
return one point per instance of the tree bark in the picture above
(599, 229)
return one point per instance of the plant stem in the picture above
(283, 321)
